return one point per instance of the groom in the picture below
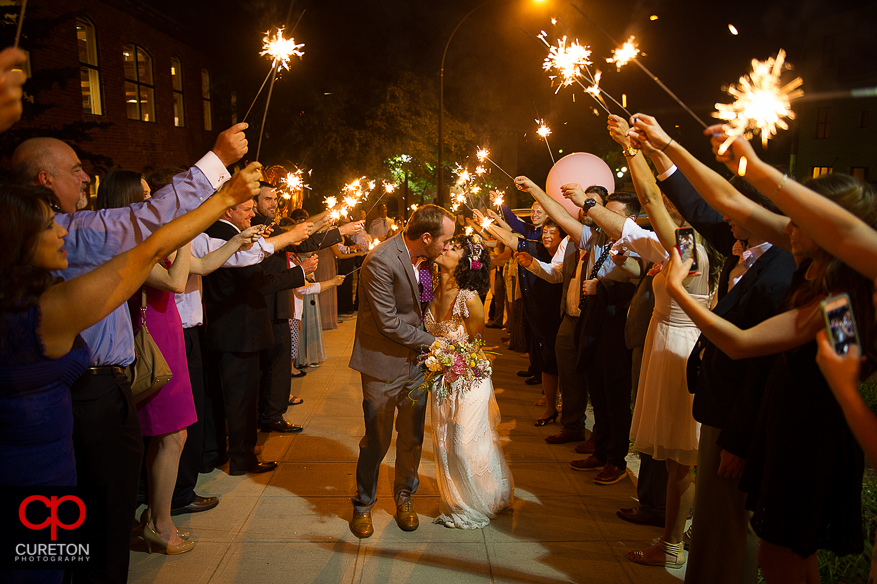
(389, 336)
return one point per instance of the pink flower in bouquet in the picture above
(459, 366)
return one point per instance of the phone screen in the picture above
(840, 325)
(686, 245)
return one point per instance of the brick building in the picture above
(139, 71)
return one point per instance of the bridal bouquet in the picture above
(453, 365)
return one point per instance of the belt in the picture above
(104, 370)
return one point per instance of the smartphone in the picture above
(685, 243)
(840, 324)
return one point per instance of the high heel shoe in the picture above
(151, 537)
(144, 519)
(545, 421)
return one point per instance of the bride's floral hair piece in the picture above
(473, 270)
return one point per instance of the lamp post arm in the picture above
(441, 141)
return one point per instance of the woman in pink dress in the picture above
(166, 414)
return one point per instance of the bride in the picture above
(473, 477)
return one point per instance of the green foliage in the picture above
(359, 130)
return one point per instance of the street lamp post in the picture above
(441, 141)
(440, 196)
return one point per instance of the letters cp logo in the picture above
(52, 504)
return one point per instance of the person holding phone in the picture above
(663, 425)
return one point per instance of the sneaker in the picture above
(610, 475)
(590, 463)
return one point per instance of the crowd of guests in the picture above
(729, 365)
(169, 252)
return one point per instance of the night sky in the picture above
(493, 75)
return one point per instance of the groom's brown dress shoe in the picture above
(406, 517)
(361, 525)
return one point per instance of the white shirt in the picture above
(380, 227)
(189, 302)
(552, 272)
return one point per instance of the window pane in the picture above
(147, 104)
(176, 74)
(90, 81)
(179, 114)
(208, 116)
(87, 42)
(205, 84)
(144, 67)
(131, 101)
(130, 66)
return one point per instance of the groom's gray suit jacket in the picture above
(389, 327)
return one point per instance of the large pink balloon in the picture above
(582, 168)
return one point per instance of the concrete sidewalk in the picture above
(290, 525)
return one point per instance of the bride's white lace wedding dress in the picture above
(473, 477)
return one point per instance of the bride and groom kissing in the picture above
(398, 317)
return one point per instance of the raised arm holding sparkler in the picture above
(647, 134)
(829, 225)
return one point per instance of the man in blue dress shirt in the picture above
(106, 434)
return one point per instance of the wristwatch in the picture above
(589, 204)
(630, 151)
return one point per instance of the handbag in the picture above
(149, 372)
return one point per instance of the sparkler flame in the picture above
(622, 56)
(543, 131)
(390, 187)
(371, 185)
(486, 222)
(294, 181)
(469, 231)
(280, 49)
(479, 170)
(762, 103)
(331, 202)
(482, 154)
(568, 61)
(595, 88)
(498, 198)
(349, 202)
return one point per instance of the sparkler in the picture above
(281, 50)
(762, 102)
(497, 198)
(484, 154)
(544, 131)
(571, 62)
(568, 61)
(623, 55)
(644, 69)
(20, 23)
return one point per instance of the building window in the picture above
(139, 84)
(859, 172)
(205, 97)
(89, 74)
(820, 171)
(177, 78)
(863, 119)
(822, 123)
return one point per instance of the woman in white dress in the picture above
(663, 425)
(473, 477)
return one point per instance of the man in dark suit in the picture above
(389, 335)
(274, 361)
(727, 393)
(238, 328)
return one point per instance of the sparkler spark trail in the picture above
(762, 101)
(294, 181)
(280, 49)
(544, 131)
(568, 61)
(623, 55)
(645, 70)
(484, 154)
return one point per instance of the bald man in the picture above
(53, 164)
